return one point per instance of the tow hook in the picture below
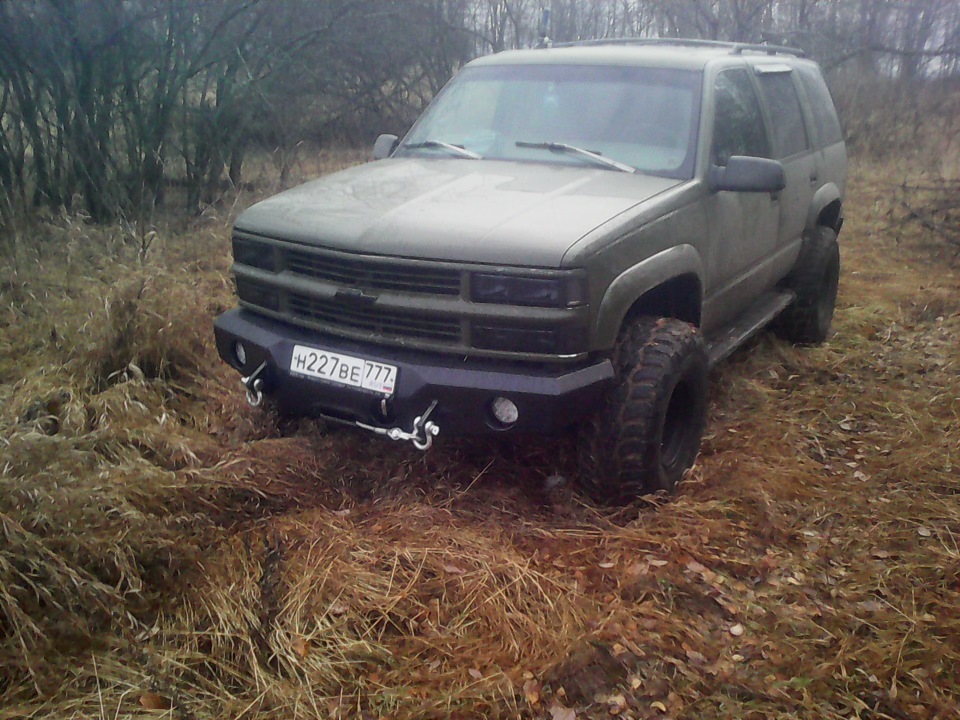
(253, 384)
(421, 435)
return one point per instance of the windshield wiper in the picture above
(574, 150)
(437, 145)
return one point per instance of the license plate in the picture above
(343, 369)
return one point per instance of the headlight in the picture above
(255, 254)
(557, 292)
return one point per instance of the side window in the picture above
(821, 107)
(738, 123)
(790, 134)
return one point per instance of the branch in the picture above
(929, 223)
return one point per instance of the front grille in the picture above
(387, 323)
(396, 301)
(373, 275)
(258, 294)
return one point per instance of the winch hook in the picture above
(253, 384)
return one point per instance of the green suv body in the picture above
(567, 235)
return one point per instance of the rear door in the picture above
(792, 147)
(830, 151)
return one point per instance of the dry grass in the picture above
(164, 550)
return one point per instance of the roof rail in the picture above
(768, 49)
(734, 47)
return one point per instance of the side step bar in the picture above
(746, 325)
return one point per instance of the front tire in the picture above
(648, 432)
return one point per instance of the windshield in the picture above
(645, 118)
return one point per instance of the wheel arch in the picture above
(826, 209)
(667, 284)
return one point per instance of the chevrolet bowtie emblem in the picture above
(355, 296)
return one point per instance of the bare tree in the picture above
(106, 103)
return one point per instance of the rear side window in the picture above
(821, 107)
(790, 134)
(738, 127)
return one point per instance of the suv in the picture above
(568, 235)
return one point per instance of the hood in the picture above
(495, 212)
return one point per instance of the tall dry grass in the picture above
(167, 550)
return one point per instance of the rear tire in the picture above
(814, 280)
(648, 432)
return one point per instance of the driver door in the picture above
(742, 226)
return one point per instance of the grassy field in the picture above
(167, 551)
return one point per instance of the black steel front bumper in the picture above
(548, 399)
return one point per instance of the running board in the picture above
(746, 325)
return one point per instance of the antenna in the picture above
(544, 40)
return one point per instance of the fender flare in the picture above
(638, 280)
(824, 196)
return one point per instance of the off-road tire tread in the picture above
(801, 322)
(619, 448)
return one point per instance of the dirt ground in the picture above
(167, 551)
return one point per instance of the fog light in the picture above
(240, 352)
(505, 411)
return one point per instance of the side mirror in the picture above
(384, 146)
(748, 174)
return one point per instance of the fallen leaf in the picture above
(342, 513)
(475, 674)
(531, 691)
(561, 712)
(871, 606)
(301, 647)
(736, 630)
(924, 531)
(607, 565)
(657, 705)
(695, 657)
(152, 701)
(617, 704)
(454, 570)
